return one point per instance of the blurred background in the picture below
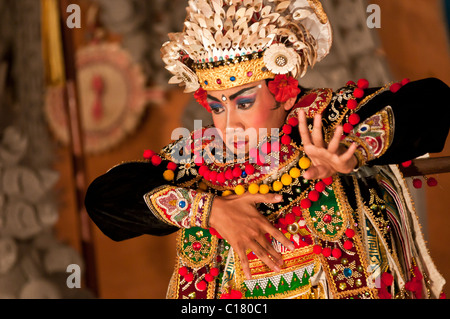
(78, 99)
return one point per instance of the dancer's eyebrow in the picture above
(234, 96)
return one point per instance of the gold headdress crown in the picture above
(228, 43)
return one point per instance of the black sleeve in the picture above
(421, 118)
(115, 201)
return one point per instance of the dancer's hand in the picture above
(238, 221)
(326, 159)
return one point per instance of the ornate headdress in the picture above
(228, 43)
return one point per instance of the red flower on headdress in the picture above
(200, 95)
(284, 87)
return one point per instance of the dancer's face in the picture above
(243, 111)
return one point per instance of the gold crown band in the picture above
(234, 74)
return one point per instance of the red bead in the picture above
(201, 285)
(358, 93)
(337, 253)
(189, 277)
(350, 233)
(214, 271)
(317, 249)
(363, 84)
(432, 182)
(229, 174)
(328, 181)
(156, 160)
(395, 87)
(417, 183)
(265, 148)
(171, 166)
(249, 169)
(348, 244)
(183, 271)
(327, 218)
(405, 81)
(293, 121)
(407, 164)
(305, 203)
(326, 252)
(196, 246)
(354, 119)
(148, 154)
(287, 129)
(290, 218)
(352, 104)
(347, 127)
(314, 195)
(286, 139)
(320, 186)
(297, 211)
(237, 172)
(219, 81)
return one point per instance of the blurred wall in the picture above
(415, 45)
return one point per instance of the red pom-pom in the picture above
(286, 139)
(347, 127)
(148, 154)
(189, 277)
(297, 211)
(350, 233)
(348, 244)
(214, 271)
(156, 160)
(405, 81)
(417, 183)
(320, 186)
(363, 84)
(275, 146)
(432, 182)
(202, 170)
(183, 271)
(314, 195)
(326, 252)
(305, 203)
(293, 121)
(352, 104)
(387, 279)
(395, 87)
(290, 218)
(249, 169)
(171, 166)
(358, 93)
(213, 176)
(442, 295)
(317, 249)
(328, 181)
(201, 285)
(287, 129)
(337, 253)
(351, 83)
(235, 294)
(407, 164)
(229, 174)
(265, 148)
(221, 178)
(237, 172)
(209, 278)
(354, 119)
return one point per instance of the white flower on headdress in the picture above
(280, 60)
(183, 75)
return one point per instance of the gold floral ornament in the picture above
(229, 43)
